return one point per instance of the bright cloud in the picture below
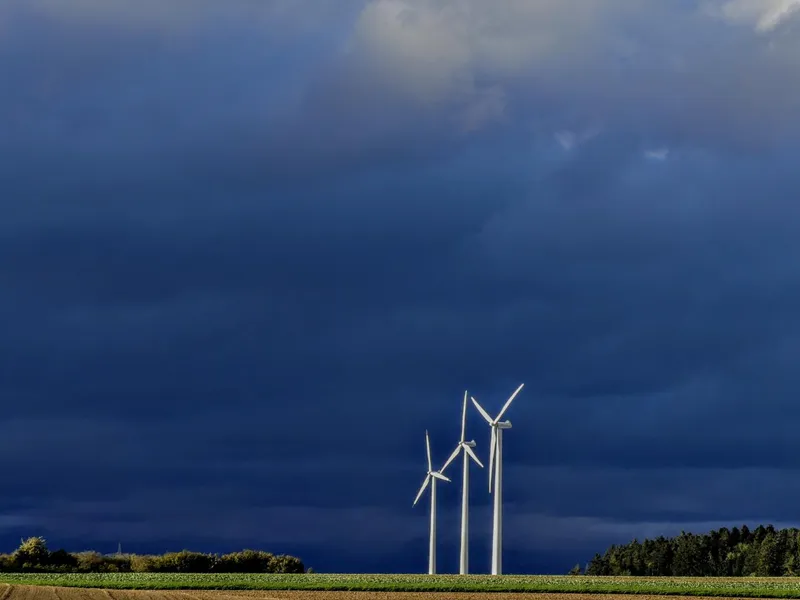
(763, 15)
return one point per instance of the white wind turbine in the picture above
(431, 478)
(496, 467)
(468, 453)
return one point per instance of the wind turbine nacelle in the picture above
(504, 425)
(470, 443)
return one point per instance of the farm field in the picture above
(59, 593)
(17, 586)
(24, 592)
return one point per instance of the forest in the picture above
(740, 551)
(34, 555)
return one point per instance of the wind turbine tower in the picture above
(466, 447)
(431, 478)
(496, 468)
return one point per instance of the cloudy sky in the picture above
(252, 249)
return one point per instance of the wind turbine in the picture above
(431, 478)
(496, 467)
(468, 453)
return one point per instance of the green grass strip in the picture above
(750, 587)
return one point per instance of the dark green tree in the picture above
(31, 554)
(770, 559)
(765, 551)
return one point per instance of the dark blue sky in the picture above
(252, 249)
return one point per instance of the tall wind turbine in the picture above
(431, 478)
(496, 468)
(466, 447)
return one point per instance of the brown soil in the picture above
(24, 592)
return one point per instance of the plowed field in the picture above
(24, 592)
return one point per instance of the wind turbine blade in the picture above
(451, 459)
(483, 412)
(428, 446)
(464, 418)
(422, 489)
(472, 455)
(508, 402)
(438, 475)
(491, 457)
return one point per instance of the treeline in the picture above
(33, 555)
(764, 551)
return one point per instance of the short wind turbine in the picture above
(431, 478)
(496, 468)
(466, 447)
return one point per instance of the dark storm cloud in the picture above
(252, 252)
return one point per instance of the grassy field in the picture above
(754, 587)
(27, 592)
